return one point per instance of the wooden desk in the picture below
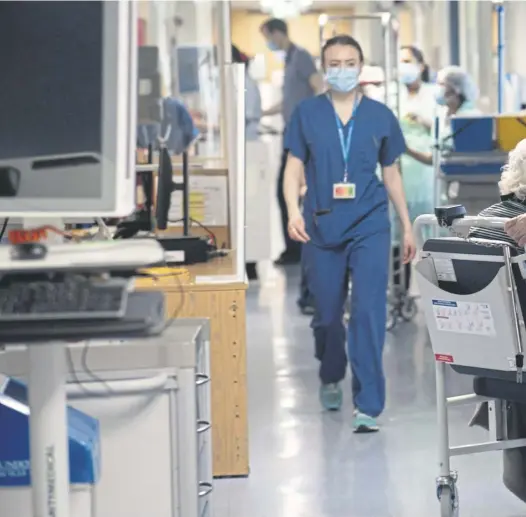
(224, 305)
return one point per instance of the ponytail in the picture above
(426, 74)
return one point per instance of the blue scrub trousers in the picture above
(366, 259)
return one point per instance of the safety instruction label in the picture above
(445, 270)
(464, 317)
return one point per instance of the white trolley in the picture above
(473, 295)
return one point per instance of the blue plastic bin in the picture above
(472, 134)
(469, 164)
(15, 469)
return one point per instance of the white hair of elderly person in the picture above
(512, 205)
(513, 179)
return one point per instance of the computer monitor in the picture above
(68, 99)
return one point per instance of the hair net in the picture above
(458, 79)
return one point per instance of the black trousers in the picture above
(292, 248)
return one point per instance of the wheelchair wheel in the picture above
(448, 501)
(409, 309)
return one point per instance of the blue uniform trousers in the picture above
(366, 259)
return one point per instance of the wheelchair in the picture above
(473, 295)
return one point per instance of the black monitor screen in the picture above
(50, 78)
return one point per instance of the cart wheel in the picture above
(448, 501)
(392, 318)
(409, 309)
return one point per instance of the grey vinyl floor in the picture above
(307, 463)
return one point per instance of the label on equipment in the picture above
(444, 358)
(464, 317)
(445, 270)
(176, 256)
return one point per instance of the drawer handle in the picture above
(201, 378)
(203, 426)
(204, 488)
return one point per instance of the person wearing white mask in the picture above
(335, 142)
(417, 112)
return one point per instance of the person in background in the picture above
(417, 113)
(253, 110)
(253, 113)
(372, 81)
(336, 140)
(300, 82)
(455, 94)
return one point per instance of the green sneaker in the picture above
(363, 423)
(331, 397)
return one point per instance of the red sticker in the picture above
(443, 358)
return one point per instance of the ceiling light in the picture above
(285, 8)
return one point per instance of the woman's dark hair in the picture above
(238, 56)
(275, 25)
(342, 39)
(418, 56)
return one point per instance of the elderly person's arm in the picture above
(516, 229)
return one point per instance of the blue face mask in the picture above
(342, 80)
(409, 73)
(272, 46)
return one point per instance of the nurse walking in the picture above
(335, 142)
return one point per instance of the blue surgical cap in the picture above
(460, 82)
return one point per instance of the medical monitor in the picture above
(68, 101)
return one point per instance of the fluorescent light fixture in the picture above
(285, 8)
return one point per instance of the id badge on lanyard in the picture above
(345, 189)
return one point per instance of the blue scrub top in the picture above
(312, 136)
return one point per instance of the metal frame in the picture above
(498, 439)
(401, 306)
(501, 45)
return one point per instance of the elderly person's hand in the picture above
(516, 229)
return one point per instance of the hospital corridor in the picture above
(262, 258)
(308, 463)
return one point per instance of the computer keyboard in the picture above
(70, 297)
